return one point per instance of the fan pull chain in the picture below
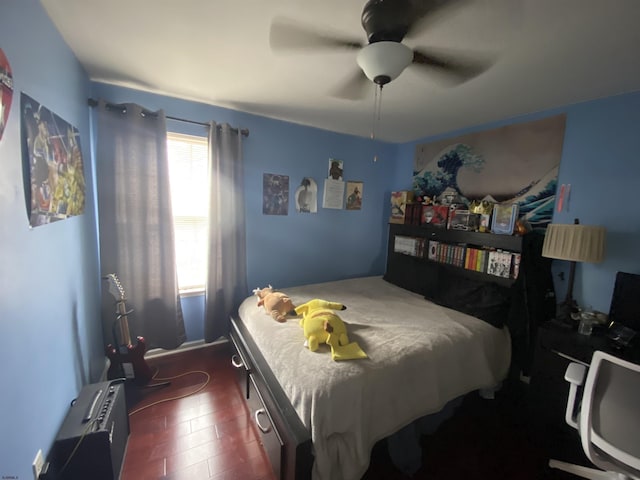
(377, 108)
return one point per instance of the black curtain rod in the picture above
(119, 106)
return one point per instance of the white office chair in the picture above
(608, 419)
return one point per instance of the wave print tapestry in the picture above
(516, 163)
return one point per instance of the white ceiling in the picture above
(549, 53)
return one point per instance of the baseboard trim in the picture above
(193, 345)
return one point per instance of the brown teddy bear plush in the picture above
(276, 304)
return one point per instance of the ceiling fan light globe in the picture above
(382, 60)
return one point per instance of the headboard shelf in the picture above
(480, 276)
(512, 243)
(527, 300)
(417, 272)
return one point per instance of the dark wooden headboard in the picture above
(521, 303)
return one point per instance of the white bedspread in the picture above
(421, 355)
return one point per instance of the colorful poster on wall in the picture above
(513, 164)
(275, 194)
(52, 165)
(6, 91)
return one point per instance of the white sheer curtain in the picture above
(135, 221)
(227, 273)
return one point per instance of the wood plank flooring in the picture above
(210, 434)
(205, 435)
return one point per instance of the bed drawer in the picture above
(242, 367)
(295, 440)
(269, 436)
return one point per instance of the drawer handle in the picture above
(256, 416)
(236, 361)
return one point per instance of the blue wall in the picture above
(49, 282)
(297, 248)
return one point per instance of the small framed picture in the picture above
(336, 169)
(354, 195)
(435, 215)
(399, 201)
(504, 218)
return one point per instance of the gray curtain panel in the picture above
(136, 223)
(227, 273)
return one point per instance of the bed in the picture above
(323, 417)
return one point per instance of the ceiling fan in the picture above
(384, 57)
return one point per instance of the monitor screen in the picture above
(625, 302)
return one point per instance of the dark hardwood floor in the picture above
(210, 434)
(205, 435)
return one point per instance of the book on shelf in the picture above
(470, 258)
(500, 264)
(460, 255)
(399, 201)
(475, 259)
(420, 248)
(413, 246)
(405, 245)
(515, 271)
(412, 213)
(433, 250)
(451, 254)
(481, 260)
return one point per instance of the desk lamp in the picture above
(575, 243)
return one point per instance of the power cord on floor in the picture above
(178, 397)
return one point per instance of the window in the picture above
(188, 172)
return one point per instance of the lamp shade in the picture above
(381, 62)
(577, 243)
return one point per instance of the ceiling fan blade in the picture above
(289, 35)
(455, 68)
(355, 87)
(426, 12)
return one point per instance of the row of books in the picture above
(451, 254)
(500, 263)
(413, 246)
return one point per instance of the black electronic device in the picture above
(625, 302)
(620, 335)
(92, 440)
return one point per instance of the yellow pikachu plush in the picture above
(321, 324)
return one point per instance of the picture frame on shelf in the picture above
(436, 215)
(399, 201)
(504, 218)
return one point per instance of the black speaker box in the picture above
(92, 441)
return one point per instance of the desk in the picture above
(556, 347)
